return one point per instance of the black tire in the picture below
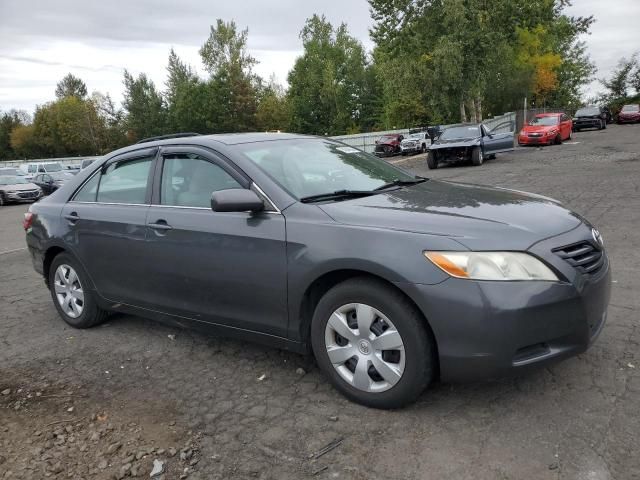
(423, 148)
(3, 202)
(432, 161)
(419, 345)
(477, 157)
(91, 315)
(558, 140)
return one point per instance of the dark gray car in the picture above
(307, 244)
(471, 143)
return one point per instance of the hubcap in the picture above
(69, 291)
(365, 347)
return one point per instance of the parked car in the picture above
(72, 169)
(86, 162)
(11, 172)
(468, 143)
(546, 129)
(311, 245)
(415, 143)
(14, 188)
(50, 182)
(388, 145)
(590, 117)
(629, 114)
(32, 169)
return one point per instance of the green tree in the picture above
(232, 82)
(71, 86)
(146, 114)
(328, 83)
(8, 122)
(273, 108)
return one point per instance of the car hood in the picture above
(480, 218)
(455, 142)
(20, 187)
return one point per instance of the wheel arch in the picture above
(322, 284)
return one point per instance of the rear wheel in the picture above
(74, 301)
(432, 161)
(477, 157)
(372, 343)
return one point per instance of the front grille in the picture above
(31, 194)
(535, 135)
(584, 256)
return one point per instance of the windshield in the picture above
(461, 132)
(387, 138)
(584, 112)
(415, 136)
(57, 175)
(11, 180)
(631, 108)
(307, 167)
(544, 121)
(52, 167)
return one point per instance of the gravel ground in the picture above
(133, 391)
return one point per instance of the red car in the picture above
(629, 114)
(546, 129)
(388, 145)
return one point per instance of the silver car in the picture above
(15, 188)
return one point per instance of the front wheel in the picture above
(432, 161)
(558, 139)
(71, 296)
(372, 343)
(477, 157)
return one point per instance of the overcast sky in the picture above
(42, 40)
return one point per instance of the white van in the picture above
(32, 169)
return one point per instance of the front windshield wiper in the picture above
(401, 183)
(338, 194)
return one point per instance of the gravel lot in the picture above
(133, 391)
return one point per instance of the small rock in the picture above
(186, 454)
(171, 452)
(38, 433)
(262, 377)
(161, 451)
(70, 409)
(113, 448)
(102, 464)
(57, 468)
(300, 371)
(333, 418)
(135, 469)
(158, 468)
(128, 459)
(6, 391)
(553, 466)
(95, 436)
(140, 454)
(194, 461)
(172, 423)
(171, 337)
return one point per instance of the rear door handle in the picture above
(160, 225)
(72, 218)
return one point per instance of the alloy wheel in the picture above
(68, 290)
(365, 348)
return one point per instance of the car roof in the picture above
(227, 139)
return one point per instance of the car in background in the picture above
(468, 143)
(415, 143)
(86, 162)
(590, 117)
(50, 182)
(629, 114)
(15, 188)
(32, 169)
(11, 172)
(72, 169)
(546, 129)
(388, 145)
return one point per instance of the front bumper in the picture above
(526, 140)
(587, 123)
(487, 330)
(23, 196)
(629, 119)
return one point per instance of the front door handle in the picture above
(160, 225)
(72, 218)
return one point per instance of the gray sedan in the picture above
(307, 244)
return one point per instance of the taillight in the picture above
(28, 220)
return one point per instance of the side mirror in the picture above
(236, 200)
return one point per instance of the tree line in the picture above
(434, 61)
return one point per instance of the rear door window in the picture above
(125, 182)
(88, 191)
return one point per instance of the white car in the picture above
(32, 169)
(415, 143)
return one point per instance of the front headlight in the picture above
(505, 266)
